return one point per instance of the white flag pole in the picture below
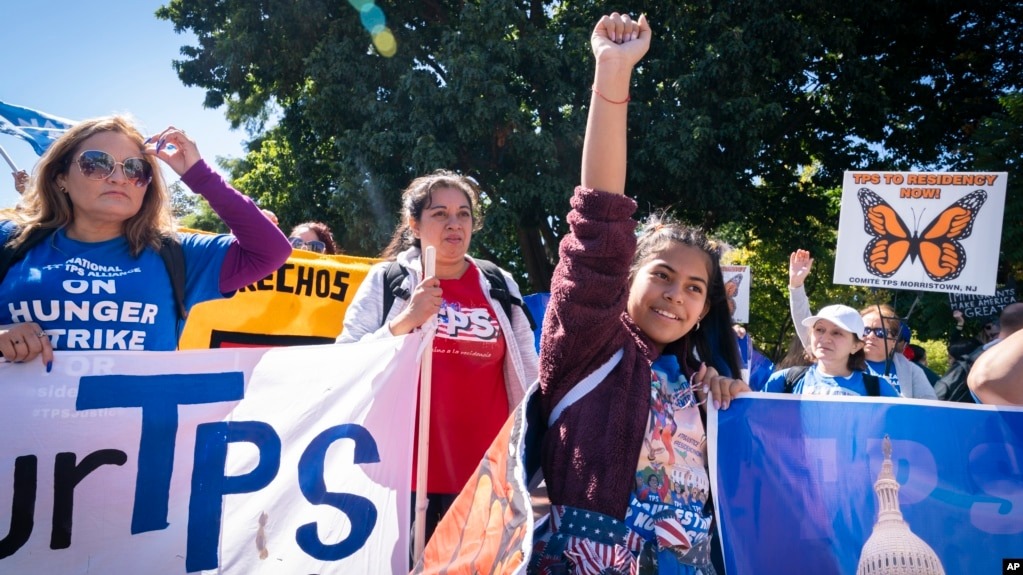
(10, 162)
(423, 448)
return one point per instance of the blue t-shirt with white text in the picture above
(814, 382)
(96, 295)
(878, 368)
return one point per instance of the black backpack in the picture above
(395, 274)
(952, 386)
(793, 375)
(170, 251)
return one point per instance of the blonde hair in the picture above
(45, 204)
(888, 316)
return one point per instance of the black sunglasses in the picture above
(877, 331)
(313, 246)
(99, 165)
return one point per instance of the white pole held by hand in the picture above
(10, 162)
(423, 447)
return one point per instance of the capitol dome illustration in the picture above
(892, 549)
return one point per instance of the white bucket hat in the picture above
(843, 316)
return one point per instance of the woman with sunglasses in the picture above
(97, 280)
(880, 335)
(314, 237)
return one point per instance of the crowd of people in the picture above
(626, 410)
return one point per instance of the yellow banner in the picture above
(303, 302)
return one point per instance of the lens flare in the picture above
(374, 21)
(385, 43)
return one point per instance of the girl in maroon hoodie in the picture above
(634, 327)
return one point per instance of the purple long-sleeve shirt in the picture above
(260, 247)
(589, 455)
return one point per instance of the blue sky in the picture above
(80, 60)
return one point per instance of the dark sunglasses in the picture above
(877, 331)
(98, 165)
(313, 246)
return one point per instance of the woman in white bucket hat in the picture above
(839, 365)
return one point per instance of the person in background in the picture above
(918, 355)
(797, 355)
(1009, 321)
(839, 366)
(905, 336)
(756, 368)
(959, 345)
(483, 358)
(99, 196)
(314, 237)
(881, 329)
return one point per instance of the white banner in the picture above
(932, 231)
(285, 460)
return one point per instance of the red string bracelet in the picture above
(609, 101)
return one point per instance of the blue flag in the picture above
(38, 129)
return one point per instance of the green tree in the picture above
(743, 116)
(183, 201)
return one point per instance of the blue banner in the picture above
(861, 485)
(38, 129)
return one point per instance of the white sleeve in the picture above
(799, 307)
(912, 379)
(363, 318)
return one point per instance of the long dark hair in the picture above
(418, 196)
(713, 340)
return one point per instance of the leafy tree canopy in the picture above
(743, 116)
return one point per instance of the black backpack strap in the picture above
(793, 375)
(9, 255)
(173, 256)
(499, 290)
(394, 275)
(872, 383)
(170, 251)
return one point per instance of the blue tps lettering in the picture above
(159, 397)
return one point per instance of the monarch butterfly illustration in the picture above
(732, 290)
(938, 247)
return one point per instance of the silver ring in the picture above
(41, 334)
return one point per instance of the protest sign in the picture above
(921, 231)
(303, 302)
(285, 460)
(737, 282)
(979, 306)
